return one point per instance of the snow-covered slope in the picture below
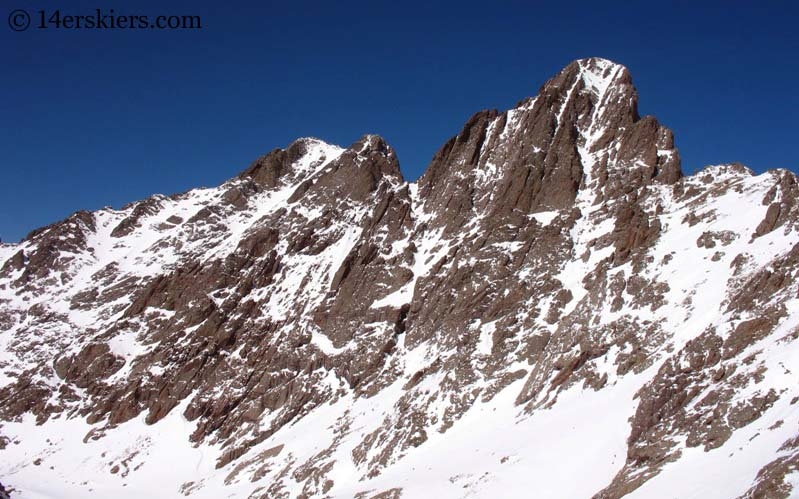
(552, 310)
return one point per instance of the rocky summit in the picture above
(552, 310)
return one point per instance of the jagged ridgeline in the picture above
(552, 310)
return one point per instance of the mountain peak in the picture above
(298, 159)
(607, 85)
(600, 66)
(374, 153)
(581, 132)
(598, 75)
(304, 329)
(372, 143)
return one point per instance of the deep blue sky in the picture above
(97, 117)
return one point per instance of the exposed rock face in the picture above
(582, 127)
(318, 327)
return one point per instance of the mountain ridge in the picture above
(542, 266)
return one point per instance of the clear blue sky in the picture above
(93, 118)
